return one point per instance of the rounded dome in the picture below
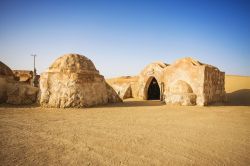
(73, 63)
(181, 87)
(5, 70)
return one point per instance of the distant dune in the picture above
(234, 83)
(237, 88)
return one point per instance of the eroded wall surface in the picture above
(214, 85)
(192, 74)
(73, 81)
(153, 70)
(185, 82)
(72, 90)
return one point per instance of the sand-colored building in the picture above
(185, 82)
(6, 76)
(73, 81)
(13, 91)
(26, 76)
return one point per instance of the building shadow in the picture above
(134, 103)
(6, 105)
(239, 98)
(236, 98)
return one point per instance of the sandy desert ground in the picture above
(131, 133)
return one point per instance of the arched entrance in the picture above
(153, 90)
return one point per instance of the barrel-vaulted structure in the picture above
(14, 92)
(184, 82)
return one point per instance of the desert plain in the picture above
(134, 132)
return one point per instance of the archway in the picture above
(153, 90)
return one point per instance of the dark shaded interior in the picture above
(153, 90)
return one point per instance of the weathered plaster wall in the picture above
(186, 70)
(153, 70)
(185, 82)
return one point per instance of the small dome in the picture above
(73, 63)
(181, 87)
(5, 70)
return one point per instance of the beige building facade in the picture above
(185, 82)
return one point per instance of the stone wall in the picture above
(26, 76)
(4, 80)
(23, 75)
(214, 85)
(19, 93)
(14, 92)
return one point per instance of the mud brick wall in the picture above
(214, 85)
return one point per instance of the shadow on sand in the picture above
(236, 98)
(136, 103)
(239, 98)
(125, 103)
(5, 105)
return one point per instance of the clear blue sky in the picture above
(121, 37)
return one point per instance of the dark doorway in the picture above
(153, 90)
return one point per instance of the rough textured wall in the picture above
(123, 90)
(23, 75)
(3, 88)
(73, 81)
(180, 93)
(192, 73)
(153, 70)
(26, 76)
(72, 90)
(14, 92)
(185, 82)
(125, 87)
(19, 93)
(113, 97)
(214, 85)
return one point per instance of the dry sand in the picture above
(130, 133)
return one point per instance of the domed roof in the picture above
(5, 70)
(73, 63)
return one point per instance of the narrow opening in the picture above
(153, 90)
